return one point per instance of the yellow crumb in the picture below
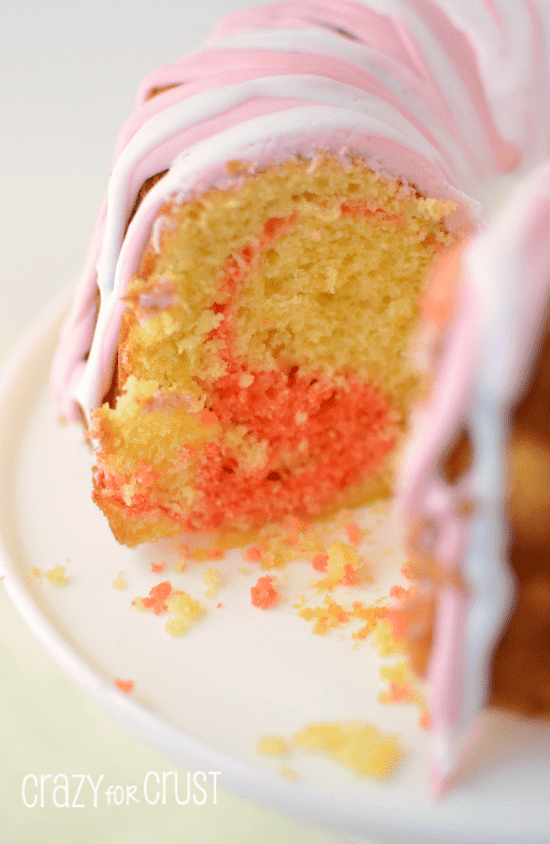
(119, 582)
(370, 615)
(138, 604)
(385, 642)
(327, 617)
(402, 685)
(358, 745)
(177, 626)
(203, 555)
(331, 615)
(57, 576)
(397, 673)
(212, 579)
(273, 746)
(184, 610)
(342, 565)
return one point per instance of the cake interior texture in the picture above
(263, 365)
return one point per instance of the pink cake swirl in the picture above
(453, 97)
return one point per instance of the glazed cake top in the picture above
(449, 97)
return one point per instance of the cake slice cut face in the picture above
(262, 361)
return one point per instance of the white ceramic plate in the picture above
(205, 698)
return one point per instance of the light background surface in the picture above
(69, 73)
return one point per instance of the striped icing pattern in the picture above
(399, 72)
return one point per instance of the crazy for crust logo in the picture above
(78, 791)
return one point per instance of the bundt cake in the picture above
(330, 214)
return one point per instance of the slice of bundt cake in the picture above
(239, 339)
(262, 366)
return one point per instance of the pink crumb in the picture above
(125, 686)
(320, 562)
(158, 595)
(350, 575)
(400, 693)
(425, 721)
(253, 553)
(263, 594)
(157, 567)
(353, 533)
(399, 592)
(219, 605)
(396, 620)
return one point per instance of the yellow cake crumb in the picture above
(371, 615)
(385, 642)
(273, 746)
(185, 612)
(57, 576)
(327, 617)
(332, 615)
(212, 579)
(343, 564)
(119, 582)
(358, 745)
(203, 555)
(402, 685)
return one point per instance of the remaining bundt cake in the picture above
(476, 479)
